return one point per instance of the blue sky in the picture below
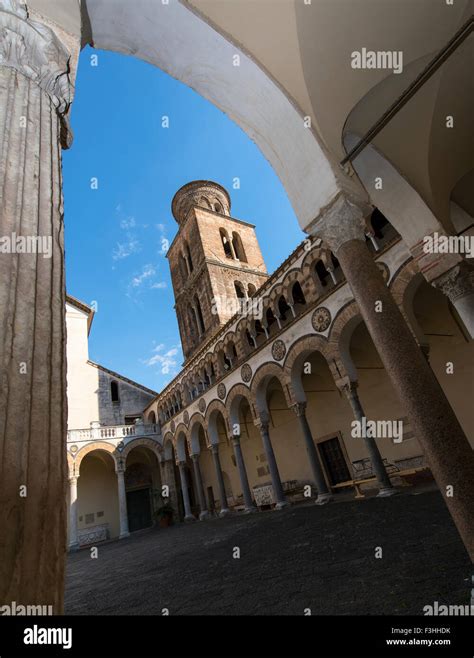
(114, 249)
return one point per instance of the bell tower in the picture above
(215, 262)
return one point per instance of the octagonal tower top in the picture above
(203, 193)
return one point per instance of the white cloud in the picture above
(128, 223)
(161, 227)
(125, 249)
(147, 272)
(166, 361)
(159, 285)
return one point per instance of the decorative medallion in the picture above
(246, 372)
(221, 391)
(173, 426)
(384, 269)
(202, 405)
(186, 418)
(73, 449)
(321, 319)
(278, 350)
(120, 446)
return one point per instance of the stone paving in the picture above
(322, 558)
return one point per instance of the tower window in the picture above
(226, 243)
(114, 392)
(238, 247)
(252, 289)
(199, 315)
(190, 260)
(239, 290)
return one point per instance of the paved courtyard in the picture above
(322, 558)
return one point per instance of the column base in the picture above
(124, 535)
(204, 515)
(189, 518)
(250, 510)
(282, 505)
(386, 491)
(224, 512)
(323, 499)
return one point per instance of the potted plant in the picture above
(164, 515)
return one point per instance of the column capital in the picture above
(342, 220)
(347, 386)
(299, 408)
(194, 457)
(457, 282)
(34, 50)
(235, 438)
(214, 448)
(73, 479)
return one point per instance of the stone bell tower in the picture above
(215, 261)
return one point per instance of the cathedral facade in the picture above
(282, 397)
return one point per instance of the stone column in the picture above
(434, 423)
(324, 495)
(73, 538)
(122, 500)
(220, 480)
(383, 480)
(239, 458)
(170, 480)
(35, 94)
(204, 513)
(458, 286)
(262, 423)
(188, 515)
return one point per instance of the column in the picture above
(244, 482)
(170, 481)
(385, 486)
(324, 495)
(220, 480)
(122, 500)
(280, 499)
(458, 286)
(35, 94)
(188, 515)
(434, 423)
(73, 538)
(204, 513)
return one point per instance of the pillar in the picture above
(170, 480)
(35, 94)
(324, 495)
(188, 515)
(385, 486)
(244, 482)
(122, 499)
(220, 480)
(204, 513)
(280, 499)
(73, 538)
(434, 423)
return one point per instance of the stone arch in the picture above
(234, 398)
(260, 382)
(168, 447)
(71, 465)
(154, 446)
(180, 442)
(97, 445)
(298, 352)
(212, 411)
(196, 420)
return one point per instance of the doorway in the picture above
(139, 509)
(334, 461)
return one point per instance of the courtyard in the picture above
(304, 558)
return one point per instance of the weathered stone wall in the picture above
(132, 399)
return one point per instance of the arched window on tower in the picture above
(188, 257)
(193, 324)
(183, 267)
(239, 290)
(114, 391)
(251, 289)
(238, 247)
(218, 207)
(199, 315)
(226, 243)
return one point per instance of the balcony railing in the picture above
(111, 432)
